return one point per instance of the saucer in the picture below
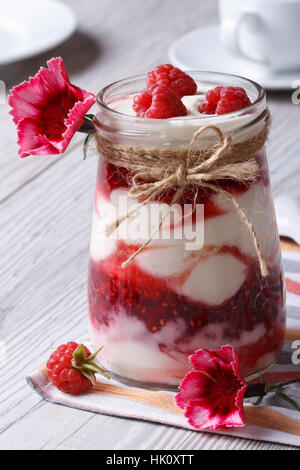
(287, 211)
(30, 27)
(202, 50)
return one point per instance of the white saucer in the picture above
(201, 49)
(32, 26)
(287, 210)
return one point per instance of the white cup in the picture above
(265, 31)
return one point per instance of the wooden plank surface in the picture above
(46, 209)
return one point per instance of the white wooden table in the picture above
(46, 209)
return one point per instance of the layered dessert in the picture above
(170, 301)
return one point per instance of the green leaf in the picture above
(289, 400)
(90, 116)
(93, 356)
(93, 367)
(79, 354)
(85, 365)
(86, 144)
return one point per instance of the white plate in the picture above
(29, 27)
(201, 49)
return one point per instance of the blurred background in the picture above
(110, 39)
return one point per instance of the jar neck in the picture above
(172, 133)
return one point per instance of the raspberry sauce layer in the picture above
(153, 301)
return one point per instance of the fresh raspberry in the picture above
(71, 368)
(173, 78)
(206, 108)
(223, 100)
(213, 95)
(232, 99)
(142, 102)
(161, 103)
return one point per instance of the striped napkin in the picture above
(274, 420)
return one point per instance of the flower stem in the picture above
(283, 384)
(260, 390)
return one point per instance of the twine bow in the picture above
(156, 171)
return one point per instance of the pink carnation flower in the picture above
(48, 110)
(213, 391)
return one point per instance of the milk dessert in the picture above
(170, 301)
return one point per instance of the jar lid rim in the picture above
(259, 101)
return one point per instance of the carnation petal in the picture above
(30, 142)
(48, 110)
(193, 386)
(56, 77)
(75, 119)
(199, 416)
(57, 67)
(26, 98)
(200, 359)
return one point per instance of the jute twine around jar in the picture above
(157, 170)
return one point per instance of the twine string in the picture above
(156, 171)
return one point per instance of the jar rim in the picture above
(259, 101)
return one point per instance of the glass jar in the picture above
(170, 301)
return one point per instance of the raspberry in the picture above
(142, 102)
(232, 99)
(213, 95)
(206, 108)
(173, 78)
(161, 103)
(71, 368)
(223, 100)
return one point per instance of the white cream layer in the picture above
(202, 275)
(160, 133)
(130, 350)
